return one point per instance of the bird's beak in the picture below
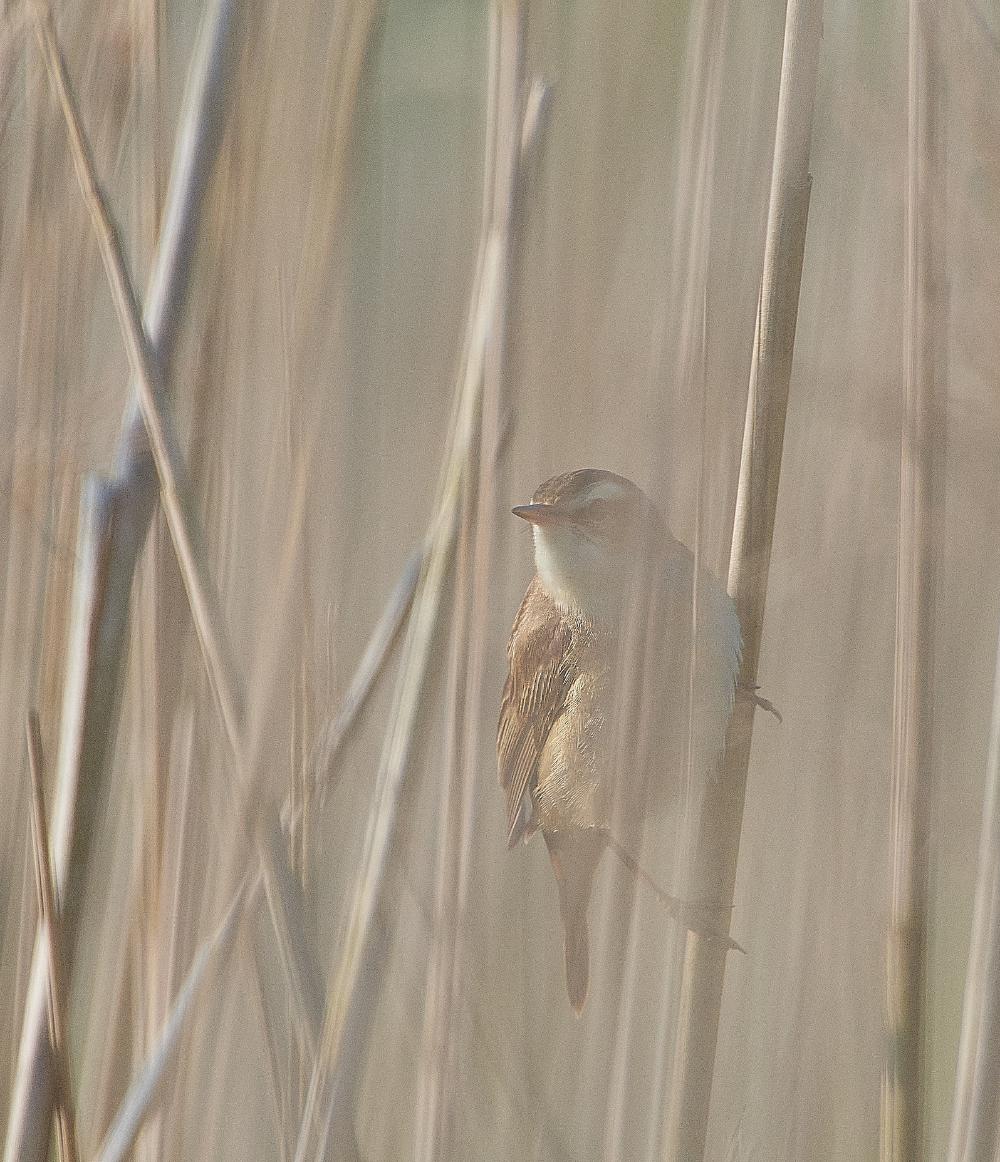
(543, 514)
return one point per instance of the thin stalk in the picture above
(714, 873)
(48, 915)
(698, 917)
(326, 750)
(80, 788)
(157, 979)
(903, 1082)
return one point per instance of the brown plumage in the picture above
(542, 670)
(564, 733)
(545, 653)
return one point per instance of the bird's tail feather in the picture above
(575, 855)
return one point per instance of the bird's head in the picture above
(593, 532)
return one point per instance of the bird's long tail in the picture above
(575, 855)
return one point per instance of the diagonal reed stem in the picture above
(326, 750)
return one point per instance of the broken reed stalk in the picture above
(114, 518)
(437, 1079)
(48, 920)
(714, 872)
(903, 1086)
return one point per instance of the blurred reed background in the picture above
(368, 227)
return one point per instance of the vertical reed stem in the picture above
(902, 1127)
(714, 875)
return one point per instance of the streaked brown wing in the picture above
(541, 673)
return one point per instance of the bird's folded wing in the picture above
(541, 672)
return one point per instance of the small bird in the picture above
(599, 716)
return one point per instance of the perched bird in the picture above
(600, 716)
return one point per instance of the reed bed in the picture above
(297, 303)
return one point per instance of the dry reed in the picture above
(714, 874)
(904, 1085)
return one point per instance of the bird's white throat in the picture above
(581, 576)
